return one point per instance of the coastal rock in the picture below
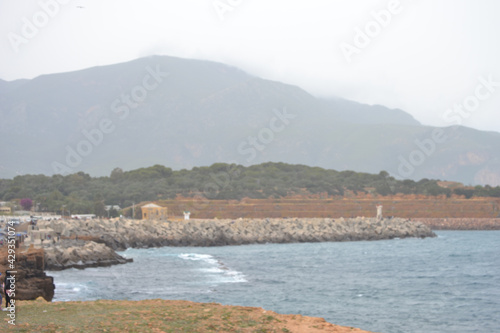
(80, 254)
(30, 279)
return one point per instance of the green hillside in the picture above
(81, 193)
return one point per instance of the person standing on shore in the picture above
(6, 288)
(1, 293)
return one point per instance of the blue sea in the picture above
(446, 284)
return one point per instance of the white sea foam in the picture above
(221, 273)
(196, 257)
(70, 291)
(212, 270)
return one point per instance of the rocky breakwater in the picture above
(31, 281)
(462, 223)
(80, 254)
(120, 234)
(237, 232)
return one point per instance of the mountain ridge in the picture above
(201, 112)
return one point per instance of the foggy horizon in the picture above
(423, 58)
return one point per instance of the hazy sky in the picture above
(422, 56)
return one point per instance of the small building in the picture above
(5, 210)
(154, 212)
(186, 215)
(42, 235)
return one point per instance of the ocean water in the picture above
(446, 284)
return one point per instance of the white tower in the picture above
(379, 212)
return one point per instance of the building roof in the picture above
(151, 205)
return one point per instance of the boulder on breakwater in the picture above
(120, 234)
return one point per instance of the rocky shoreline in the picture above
(81, 254)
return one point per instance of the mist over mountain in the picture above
(183, 113)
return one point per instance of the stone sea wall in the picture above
(462, 223)
(120, 234)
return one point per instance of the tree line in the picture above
(81, 193)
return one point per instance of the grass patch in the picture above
(158, 316)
